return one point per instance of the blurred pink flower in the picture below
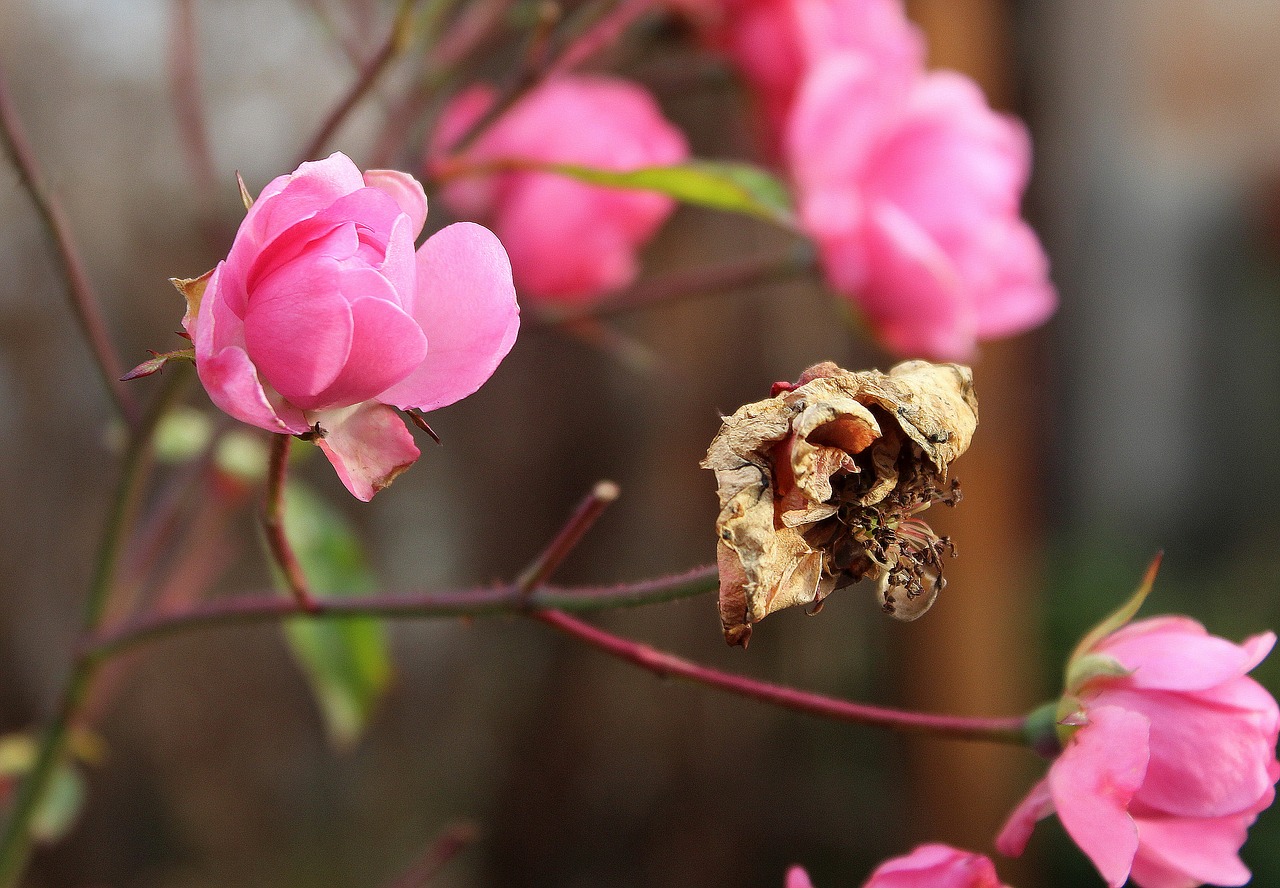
(929, 866)
(322, 319)
(1170, 758)
(910, 184)
(568, 241)
(774, 43)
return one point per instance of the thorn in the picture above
(415, 415)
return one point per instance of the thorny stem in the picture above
(273, 525)
(84, 301)
(663, 664)
(397, 41)
(15, 842)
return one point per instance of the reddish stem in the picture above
(273, 524)
(661, 663)
(507, 599)
(591, 507)
(604, 32)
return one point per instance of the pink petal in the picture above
(839, 115)
(798, 878)
(913, 296)
(466, 305)
(298, 330)
(232, 383)
(368, 445)
(951, 162)
(288, 200)
(406, 191)
(936, 866)
(1006, 272)
(1206, 761)
(1016, 832)
(1092, 783)
(1179, 852)
(1178, 660)
(604, 226)
(386, 346)
(338, 240)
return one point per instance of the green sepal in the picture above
(1118, 618)
(157, 362)
(1084, 669)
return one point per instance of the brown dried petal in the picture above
(820, 484)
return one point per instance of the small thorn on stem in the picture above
(416, 415)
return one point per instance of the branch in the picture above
(506, 599)
(273, 525)
(84, 301)
(397, 41)
(665, 665)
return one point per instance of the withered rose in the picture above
(820, 486)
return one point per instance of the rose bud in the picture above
(821, 486)
(1168, 753)
(322, 320)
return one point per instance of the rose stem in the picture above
(482, 601)
(15, 842)
(273, 525)
(398, 40)
(84, 301)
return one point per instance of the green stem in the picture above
(15, 843)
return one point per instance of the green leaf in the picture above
(63, 797)
(735, 187)
(60, 806)
(345, 659)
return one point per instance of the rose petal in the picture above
(406, 191)
(1178, 661)
(1092, 783)
(308, 190)
(913, 295)
(466, 304)
(368, 445)
(386, 346)
(232, 383)
(1179, 851)
(298, 330)
(1206, 761)
(798, 878)
(1016, 832)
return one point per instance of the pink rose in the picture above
(322, 318)
(1170, 758)
(929, 866)
(568, 241)
(774, 43)
(910, 185)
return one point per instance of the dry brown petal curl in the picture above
(821, 484)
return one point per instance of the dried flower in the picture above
(820, 486)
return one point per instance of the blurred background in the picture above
(1143, 417)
